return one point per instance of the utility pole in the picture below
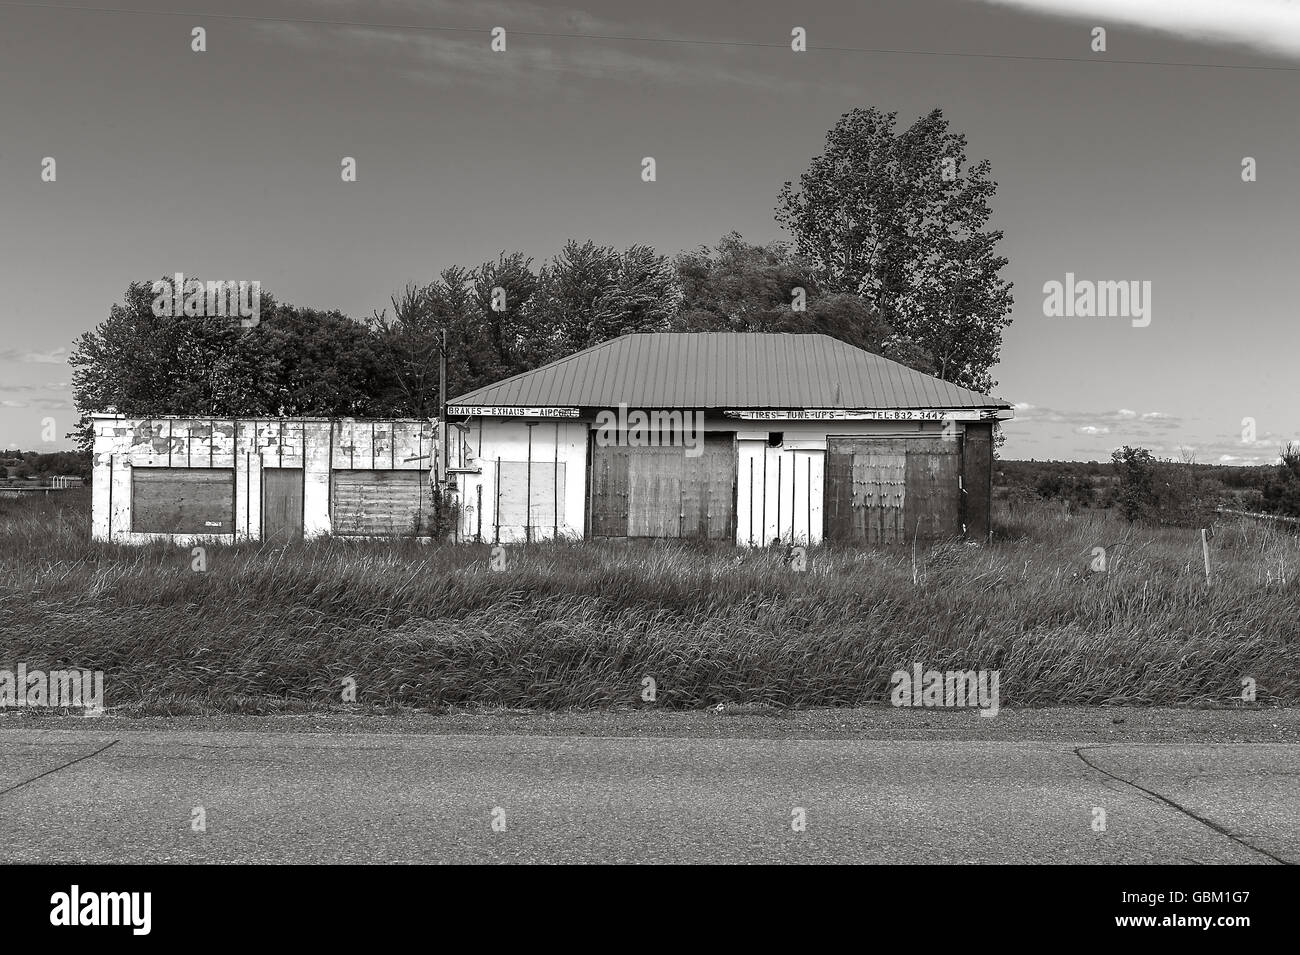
(442, 403)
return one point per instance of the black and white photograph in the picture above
(558, 432)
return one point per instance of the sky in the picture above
(1122, 165)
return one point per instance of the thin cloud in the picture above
(55, 356)
(1122, 420)
(40, 404)
(1104, 430)
(1268, 26)
(530, 63)
(31, 389)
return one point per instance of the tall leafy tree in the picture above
(319, 363)
(588, 294)
(503, 297)
(296, 361)
(899, 218)
(724, 286)
(409, 345)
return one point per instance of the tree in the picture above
(1282, 493)
(588, 294)
(490, 320)
(409, 346)
(1136, 494)
(898, 218)
(314, 362)
(724, 287)
(742, 287)
(1159, 492)
(296, 361)
(503, 296)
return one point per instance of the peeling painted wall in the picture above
(782, 500)
(249, 446)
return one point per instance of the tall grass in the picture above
(581, 625)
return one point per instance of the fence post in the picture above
(1205, 552)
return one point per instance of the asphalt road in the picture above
(89, 794)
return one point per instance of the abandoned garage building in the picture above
(278, 479)
(751, 438)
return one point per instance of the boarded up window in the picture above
(183, 500)
(663, 492)
(381, 503)
(531, 497)
(890, 490)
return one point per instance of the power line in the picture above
(421, 28)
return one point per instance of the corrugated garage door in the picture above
(889, 490)
(663, 492)
(183, 500)
(381, 503)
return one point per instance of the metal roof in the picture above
(726, 370)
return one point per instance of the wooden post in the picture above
(751, 501)
(916, 579)
(1205, 552)
(528, 486)
(442, 402)
(778, 495)
(794, 484)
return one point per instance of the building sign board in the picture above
(509, 411)
(866, 414)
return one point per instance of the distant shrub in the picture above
(1152, 491)
(1135, 495)
(1282, 493)
(1074, 489)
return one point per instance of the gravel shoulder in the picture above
(1082, 725)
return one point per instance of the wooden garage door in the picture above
(889, 490)
(381, 503)
(282, 491)
(183, 500)
(663, 492)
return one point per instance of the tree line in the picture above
(1148, 489)
(890, 251)
(20, 465)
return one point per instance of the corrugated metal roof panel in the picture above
(727, 370)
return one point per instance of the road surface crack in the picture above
(56, 769)
(1079, 750)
